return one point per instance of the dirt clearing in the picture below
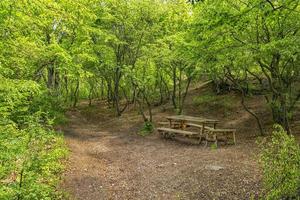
(108, 160)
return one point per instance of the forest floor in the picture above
(109, 160)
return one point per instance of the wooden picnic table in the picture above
(183, 119)
(178, 123)
(201, 122)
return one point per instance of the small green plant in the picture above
(213, 146)
(147, 129)
(280, 159)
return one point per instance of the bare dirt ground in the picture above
(109, 160)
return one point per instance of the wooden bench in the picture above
(178, 124)
(194, 125)
(175, 124)
(169, 132)
(213, 135)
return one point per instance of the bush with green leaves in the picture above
(30, 162)
(280, 159)
(147, 129)
(31, 154)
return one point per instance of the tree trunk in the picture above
(174, 89)
(50, 81)
(141, 109)
(252, 113)
(109, 92)
(280, 112)
(149, 106)
(76, 92)
(102, 89)
(241, 89)
(161, 99)
(166, 88)
(179, 92)
(184, 95)
(66, 88)
(116, 92)
(90, 96)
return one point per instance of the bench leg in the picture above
(200, 137)
(216, 140)
(234, 141)
(200, 140)
(168, 135)
(163, 134)
(206, 139)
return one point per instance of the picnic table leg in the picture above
(202, 134)
(170, 121)
(200, 137)
(216, 139)
(182, 124)
(206, 138)
(234, 137)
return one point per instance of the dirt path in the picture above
(110, 161)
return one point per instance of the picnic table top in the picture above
(192, 119)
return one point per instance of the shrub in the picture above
(30, 162)
(146, 129)
(30, 153)
(280, 159)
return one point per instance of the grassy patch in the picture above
(209, 100)
(213, 146)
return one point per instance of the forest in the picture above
(85, 84)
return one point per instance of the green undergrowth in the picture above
(209, 100)
(32, 153)
(280, 161)
(31, 162)
(147, 129)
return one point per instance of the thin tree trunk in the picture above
(185, 94)
(66, 88)
(166, 88)
(174, 89)
(161, 100)
(116, 92)
(50, 79)
(141, 109)
(90, 96)
(76, 92)
(240, 88)
(251, 113)
(102, 89)
(179, 92)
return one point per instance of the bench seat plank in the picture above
(214, 135)
(178, 131)
(168, 123)
(194, 125)
(220, 129)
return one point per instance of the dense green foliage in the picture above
(149, 52)
(280, 159)
(30, 152)
(138, 53)
(253, 41)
